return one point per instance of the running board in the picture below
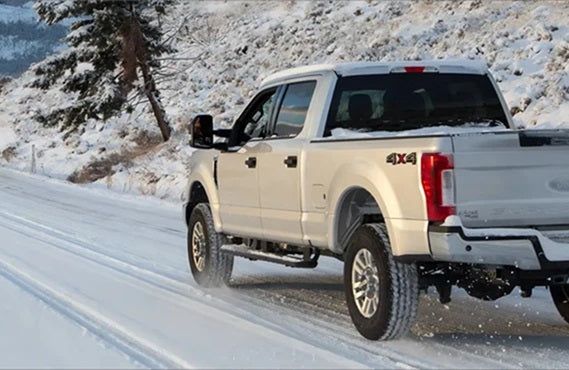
(242, 250)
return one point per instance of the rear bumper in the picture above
(526, 249)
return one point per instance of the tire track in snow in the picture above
(313, 330)
(181, 289)
(107, 330)
(261, 294)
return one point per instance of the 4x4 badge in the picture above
(402, 158)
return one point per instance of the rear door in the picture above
(279, 165)
(512, 179)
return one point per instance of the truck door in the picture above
(237, 169)
(279, 165)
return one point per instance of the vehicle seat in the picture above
(400, 104)
(360, 109)
(391, 100)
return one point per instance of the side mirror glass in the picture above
(201, 131)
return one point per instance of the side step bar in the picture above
(242, 250)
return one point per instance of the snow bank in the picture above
(226, 48)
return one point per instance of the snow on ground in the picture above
(92, 278)
(37, 336)
(237, 44)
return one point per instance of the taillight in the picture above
(437, 178)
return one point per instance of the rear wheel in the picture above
(560, 295)
(382, 294)
(210, 267)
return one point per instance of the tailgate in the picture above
(512, 179)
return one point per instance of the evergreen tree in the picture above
(113, 48)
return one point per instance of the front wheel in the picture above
(382, 294)
(209, 265)
(560, 295)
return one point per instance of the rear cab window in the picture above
(400, 102)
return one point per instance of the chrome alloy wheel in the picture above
(198, 246)
(365, 283)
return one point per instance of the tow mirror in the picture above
(201, 131)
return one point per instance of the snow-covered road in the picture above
(91, 278)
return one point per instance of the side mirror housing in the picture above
(201, 132)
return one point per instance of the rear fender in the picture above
(365, 175)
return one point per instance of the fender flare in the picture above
(202, 173)
(364, 175)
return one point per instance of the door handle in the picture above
(291, 161)
(251, 162)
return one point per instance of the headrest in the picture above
(359, 107)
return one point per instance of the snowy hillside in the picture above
(226, 48)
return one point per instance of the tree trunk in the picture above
(152, 95)
(140, 49)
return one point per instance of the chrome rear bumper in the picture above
(526, 249)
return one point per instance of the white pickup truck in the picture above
(408, 172)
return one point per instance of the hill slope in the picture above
(226, 48)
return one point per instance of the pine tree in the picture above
(114, 48)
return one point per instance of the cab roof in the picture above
(367, 68)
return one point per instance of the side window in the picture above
(256, 120)
(293, 109)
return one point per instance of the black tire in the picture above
(215, 268)
(560, 295)
(395, 285)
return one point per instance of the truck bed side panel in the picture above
(332, 168)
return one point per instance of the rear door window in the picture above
(293, 109)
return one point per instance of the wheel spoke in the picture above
(374, 302)
(363, 256)
(368, 258)
(370, 308)
(358, 284)
(364, 273)
(366, 305)
(361, 260)
(359, 267)
(198, 246)
(359, 294)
